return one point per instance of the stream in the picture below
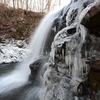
(28, 91)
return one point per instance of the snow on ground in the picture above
(13, 51)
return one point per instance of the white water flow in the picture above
(20, 75)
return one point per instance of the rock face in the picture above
(75, 47)
(94, 78)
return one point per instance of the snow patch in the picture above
(11, 52)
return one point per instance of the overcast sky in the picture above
(65, 2)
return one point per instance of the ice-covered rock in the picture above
(73, 45)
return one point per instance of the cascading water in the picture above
(67, 69)
(19, 77)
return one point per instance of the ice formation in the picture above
(64, 78)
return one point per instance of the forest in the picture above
(34, 5)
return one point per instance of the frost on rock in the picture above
(64, 78)
(11, 52)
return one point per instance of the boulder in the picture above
(38, 67)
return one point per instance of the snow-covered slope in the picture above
(13, 51)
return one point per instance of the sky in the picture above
(65, 2)
(56, 7)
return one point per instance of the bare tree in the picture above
(13, 3)
(27, 5)
(59, 3)
(17, 3)
(21, 4)
(34, 5)
(1, 1)
(49, 5)
(30, 7)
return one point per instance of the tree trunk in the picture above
(14, 4)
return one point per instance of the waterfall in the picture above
(20, 75)
(68, 52)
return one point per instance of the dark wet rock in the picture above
(73, 16)
(93, 49)
(38, 67)
(71, 31)
(54, 29)
(63, 23)
(92, 20)
(93, 61)
(94, 79)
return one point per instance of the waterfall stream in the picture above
(20, 76)
(62, 38)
